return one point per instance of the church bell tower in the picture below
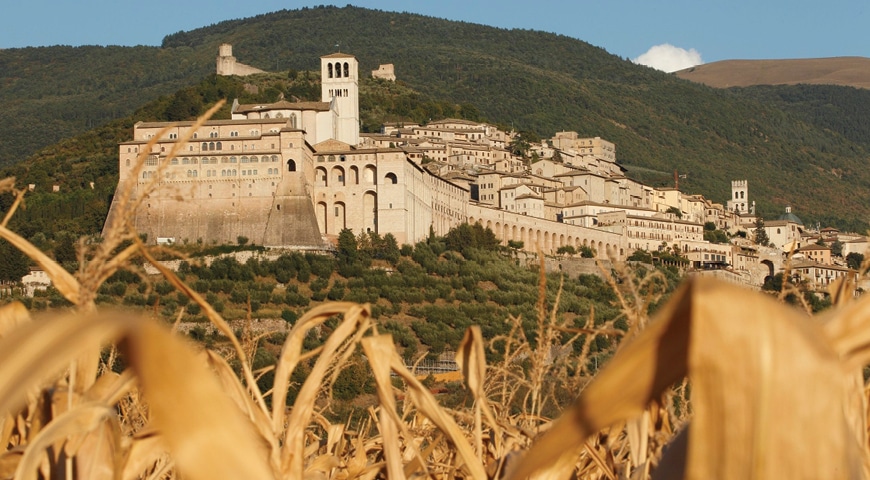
(340, 87)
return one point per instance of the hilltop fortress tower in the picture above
(227, 64)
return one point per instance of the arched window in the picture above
(204, 146)
(254, 159)
(128, 162)
(292, 122)
(219, 146)
(211, 145)
(346, 70)
(391, 178)
(279, 115)
(329, 67)
(265, 115)
(291, 165)
(337, 70)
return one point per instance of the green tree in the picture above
(854, 260)
(65, 250)
(640, 256)
(837, 248)
(761, 237)
(390, 249)
(676, 211)
(566, 250)
(587, 252)
(347, 256)
(13, 263)
(465, 236)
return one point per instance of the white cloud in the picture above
(668, 58)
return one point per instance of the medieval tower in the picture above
(228, 65)
(739, 201)
(340, 87)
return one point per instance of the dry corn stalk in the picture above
(776, 394)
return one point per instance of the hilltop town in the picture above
(321, 175)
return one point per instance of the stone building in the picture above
(228, 65)
(385, 72)
(294, 174)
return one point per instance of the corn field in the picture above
(721, 383)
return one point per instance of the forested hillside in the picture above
(526, 80)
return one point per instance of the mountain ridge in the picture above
(842, 71)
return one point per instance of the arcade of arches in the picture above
(536, 238)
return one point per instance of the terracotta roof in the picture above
(283, 105)
(338, 55)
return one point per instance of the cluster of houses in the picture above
(294, 174)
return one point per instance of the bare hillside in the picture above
(848, 71)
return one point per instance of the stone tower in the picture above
(739, 201)
(340, 86)
(228, 65)
(226, 62)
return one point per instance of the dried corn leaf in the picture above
(291, 354)
(38, 351)
(356, 318)
(428, 406)
(379, 350)
(471, 359)
(207, 435)
(143, 453)
(769, 392)
(12, 315)
(83, 418)
(62, 280)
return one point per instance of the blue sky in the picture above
(685, 32)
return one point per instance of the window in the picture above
(174, 161)
(151, 160)
(219, 145)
